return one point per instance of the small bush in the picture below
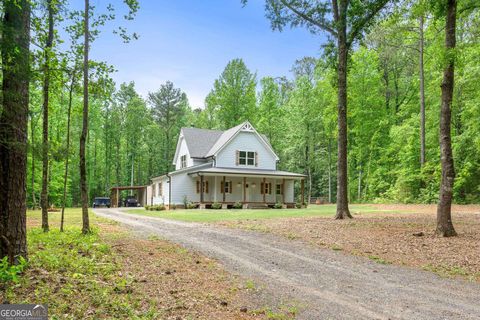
(157, 207)
(173, 206)
(191, 205)
(160, 207)
(237, 205)
(298, 205)
(10, 272)
(147, 207)
(216, 205)
(278, 205)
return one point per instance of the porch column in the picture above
(244, 189)
(118, 199)
(283, 190)
(201, 189)
(223, 189)
(264, 193)
(303, 191)
(215, 190)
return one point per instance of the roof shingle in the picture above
(200, 141)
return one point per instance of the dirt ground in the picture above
(313, 282)
(157, 279)
(182, 284)
(403, 235)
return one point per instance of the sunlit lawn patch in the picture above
(208, 215)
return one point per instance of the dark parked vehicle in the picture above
(131, 201)
(101, 202)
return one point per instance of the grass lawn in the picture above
(211, 215)
(111, 274)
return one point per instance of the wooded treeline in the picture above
(131, 137)
(406, 69)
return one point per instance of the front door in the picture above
(278, 193)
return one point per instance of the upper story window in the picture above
(183, 161)
(246, 158)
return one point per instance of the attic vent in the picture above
(247, 127)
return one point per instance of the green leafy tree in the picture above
(233, 95)
(15, 54)
(444, 216)
(168, 106)
(270, 111)
(48, 53)
(345, 21)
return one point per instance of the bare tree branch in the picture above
(309, 19)
(358, 28)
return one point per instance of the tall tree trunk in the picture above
(83, 136)
(342, 182)
(32, 149)
(167, 151)
(444, 216)
(117, 162)
(359, 189)
(67, 151)
(329, 170)
(108, 149)
(386, 78)
(46, 94)
(422, 93)
(14, 130)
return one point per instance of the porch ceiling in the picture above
(251, 173)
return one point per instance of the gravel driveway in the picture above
(328, 284)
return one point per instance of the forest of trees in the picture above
(394, 56)
(298, 115)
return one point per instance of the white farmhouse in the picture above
(234, 166)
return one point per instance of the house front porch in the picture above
(250, 187)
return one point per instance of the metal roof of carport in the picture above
(247, 173)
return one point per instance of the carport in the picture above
(141, 194)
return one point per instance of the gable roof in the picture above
(223, 139)
(200, 141)
(204, 143)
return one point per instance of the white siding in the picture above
(183, 150)
(246, 141)
(289, 191)
(197, 162)
(183, 186)
(161, 198)
(149, 196)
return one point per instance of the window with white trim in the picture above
(183, 161)
(246, 158)
(279, 189)
(266, 188)
(227, 187)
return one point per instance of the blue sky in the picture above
(189, 42)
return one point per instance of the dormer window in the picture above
(246, 158)
(183, 161)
